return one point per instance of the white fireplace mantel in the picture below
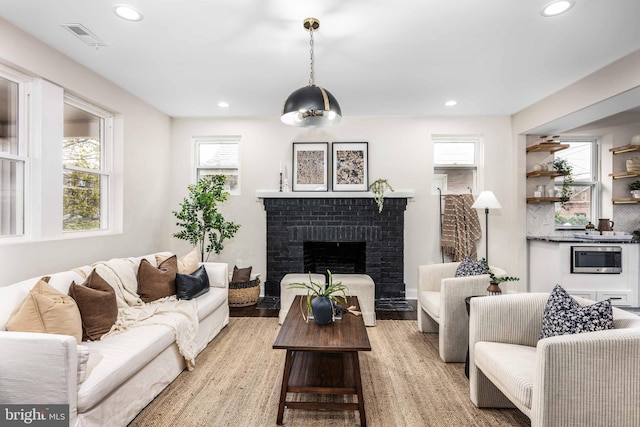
(275, 194)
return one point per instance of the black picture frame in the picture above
(350, 166)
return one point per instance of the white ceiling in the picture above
(402, 57)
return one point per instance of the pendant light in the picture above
(311, 106)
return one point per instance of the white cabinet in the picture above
(550, 264)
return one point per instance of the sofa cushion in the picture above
(46, 310)
(187, 263)
(155, 283)
(192, 285)
(510, 367)
(116, 358)
(96, 300)
(430, 301)
(469, 267)
(564, 315)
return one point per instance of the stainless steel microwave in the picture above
(596, 259)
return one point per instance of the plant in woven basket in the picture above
(202, 225)
(333, 291)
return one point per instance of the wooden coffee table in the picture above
(322, 360)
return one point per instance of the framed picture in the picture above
(310, 166)
(350, 166)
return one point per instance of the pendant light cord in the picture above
(311, 76)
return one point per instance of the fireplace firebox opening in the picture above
(338, 257)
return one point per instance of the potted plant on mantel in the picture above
(320, 299)
(199, 217)
(378, 187)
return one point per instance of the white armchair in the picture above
(441, 306)
(586, 379)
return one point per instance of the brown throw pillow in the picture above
(96, 300)
(46, 310)
(155, 283)
(241, 274)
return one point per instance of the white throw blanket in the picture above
(181, 316)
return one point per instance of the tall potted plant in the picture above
(202, 225)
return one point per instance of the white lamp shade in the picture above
(486, 200)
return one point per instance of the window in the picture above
(85, 166)
(455, 160)
(583, 202)
(13, 148)
(219, 155)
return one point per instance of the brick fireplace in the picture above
(346, 235)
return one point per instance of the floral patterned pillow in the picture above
(469, 267)
(563, 315)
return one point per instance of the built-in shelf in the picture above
(543, 199)
(625, 148)
(550, 174)
(625, 201)
(274, 194)
(621, 175)
(550, 147)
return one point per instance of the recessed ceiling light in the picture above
(451, 103)
(556, 7)
(223, 104)
(127, 12)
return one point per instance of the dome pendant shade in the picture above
(311, 106)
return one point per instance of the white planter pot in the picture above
(635, 194)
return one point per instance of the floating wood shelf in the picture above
(543, 199)
(621, 175)
(550, 147)
(625, 201)
(550, 174)
(625, 149)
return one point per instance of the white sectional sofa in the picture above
(123, 372)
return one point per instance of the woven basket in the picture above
(244, 294)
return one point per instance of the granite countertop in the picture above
(572, 239)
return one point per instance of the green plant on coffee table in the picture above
(635, 185)
(565, 170)
(332, 290)
(199, 217)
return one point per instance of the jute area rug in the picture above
(238, 377)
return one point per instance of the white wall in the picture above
(399, 150)
(145, 177)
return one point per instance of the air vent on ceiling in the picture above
(84, 34)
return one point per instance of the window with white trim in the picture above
(455, 164)
(582, 206)
(85, 166)
(13, 152)
(219, 155)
